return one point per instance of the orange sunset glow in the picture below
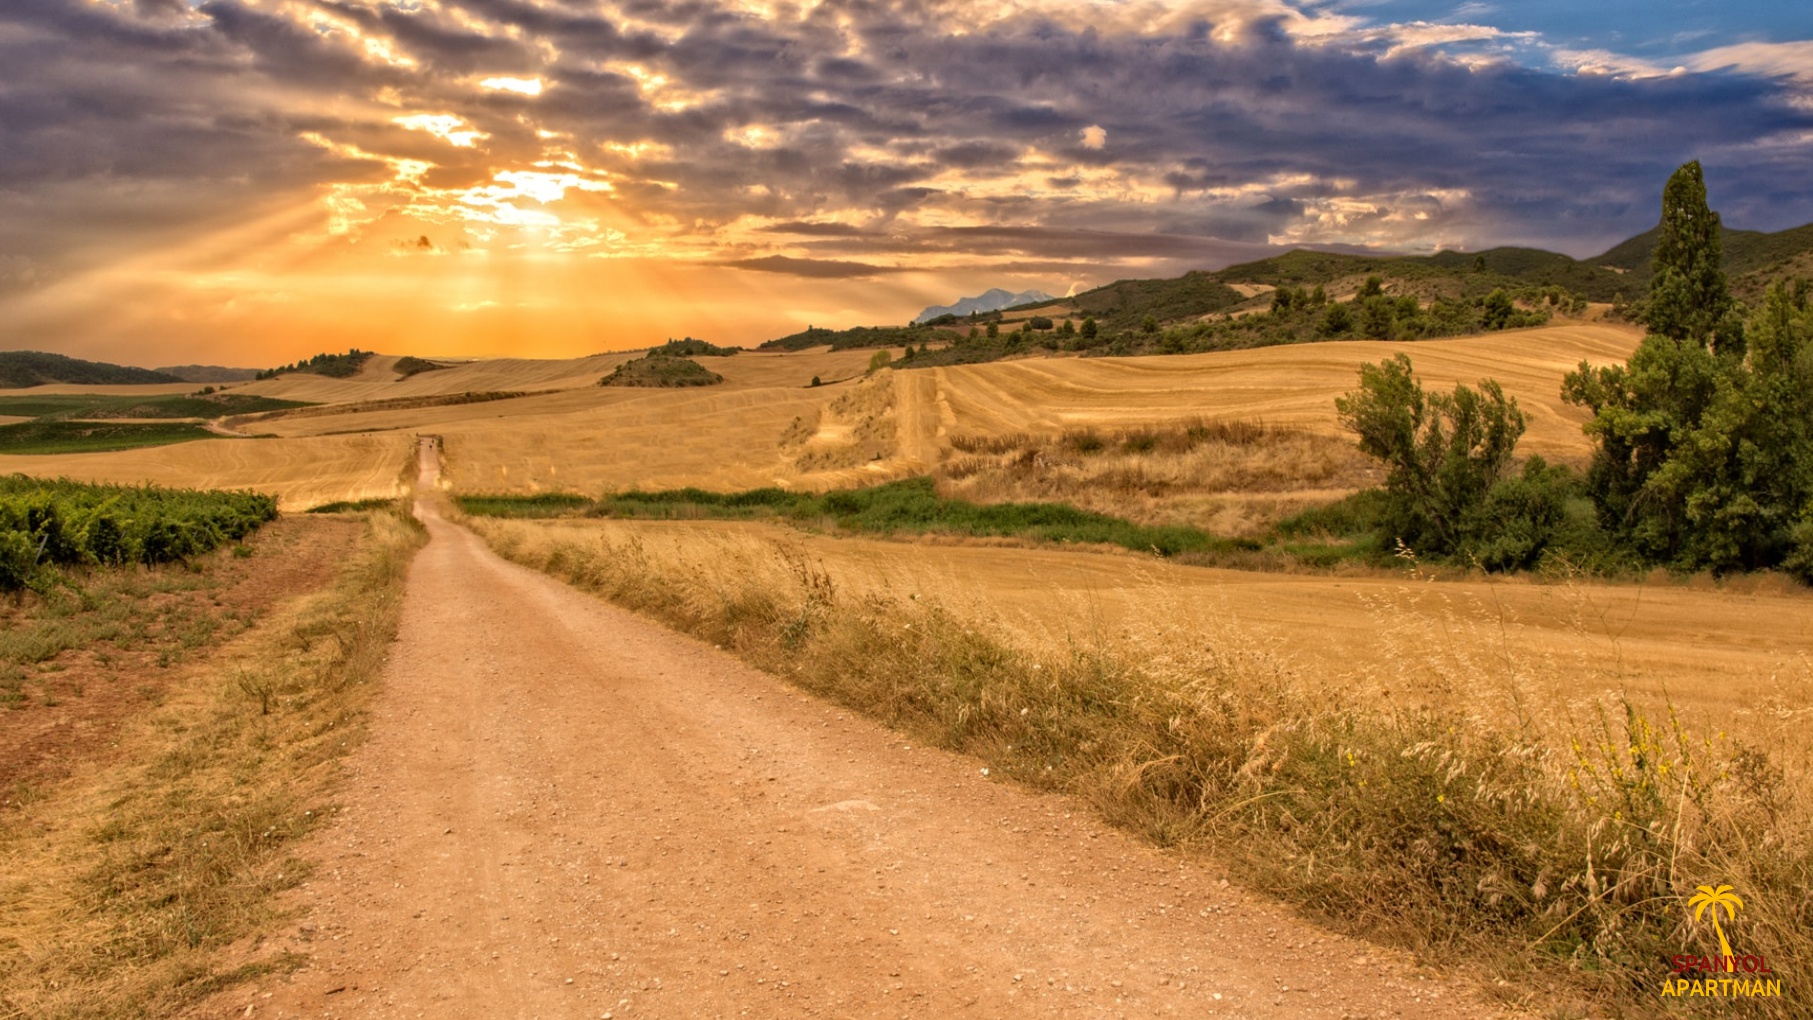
(247, 181)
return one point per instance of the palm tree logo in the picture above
(1716, 898)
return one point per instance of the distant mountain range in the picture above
(22, 369)
(988, 301)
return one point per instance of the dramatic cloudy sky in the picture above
(247, 181)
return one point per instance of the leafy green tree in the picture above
(1148, 325)
(1337, 321)
(1377, 317)
(1704, 443)
(1038, 322)
(1497, 310)
(994, 330)
(879, 360)
(1688, 296)
(1641, 411)
(1443, 453)
(1089, 328)
(1373, 287)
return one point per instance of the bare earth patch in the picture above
(66, 709)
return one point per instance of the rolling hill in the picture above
(1130, 315)
(210, 373)
(24, 369)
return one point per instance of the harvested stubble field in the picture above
(300, 472)
(584, 438)
(1732, 660)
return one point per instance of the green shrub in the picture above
(1442, 454)
(48, 524)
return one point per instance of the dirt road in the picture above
(566, 811)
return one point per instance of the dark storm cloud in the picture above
(872, 110)
(821, 269)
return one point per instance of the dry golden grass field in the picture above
(766, 426)
(300, 472)
(1338, 736)
(1727, 659)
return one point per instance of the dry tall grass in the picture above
(1551, 855)
(1232, 477)
(126, 891)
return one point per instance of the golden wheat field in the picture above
(765, 425)
(300, 472)
(1724, 658)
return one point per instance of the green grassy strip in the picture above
(175, 405)
(354, 506)
(52, 437)
(910, 506)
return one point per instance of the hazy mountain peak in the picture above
(993, 299)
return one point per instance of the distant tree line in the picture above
(337, 366)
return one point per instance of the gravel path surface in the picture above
(565, 810)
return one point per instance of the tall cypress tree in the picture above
(1689, 299)
(1705, 452)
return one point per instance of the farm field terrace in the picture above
(766, 425)
(1733, 659)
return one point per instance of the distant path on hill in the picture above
(564, 810)
(918, 417)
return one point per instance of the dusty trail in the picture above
(567, 811)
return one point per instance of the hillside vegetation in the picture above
(57, 437)
(86, 423)
(1305, 295)
(334, 366)
(659, 369)
(23, 369)
(691, 348)
(409, 365)
(863, 336)
(209, 373)
(88, 406)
